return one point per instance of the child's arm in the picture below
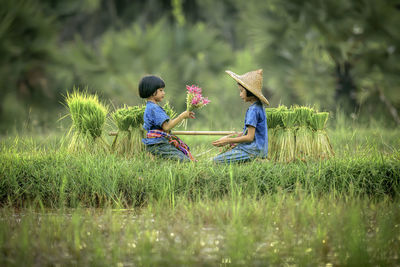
(235, 134)
(168, 125)
(248, 137)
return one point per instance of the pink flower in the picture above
(196, 99)
(205, 101)
(193, 89)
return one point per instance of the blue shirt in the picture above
(154, 116)
(255, 116)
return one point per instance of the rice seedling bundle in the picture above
(274, 118)
(275, 125)
(304, 134)
(297, 133)
(128, 117)
(318, 121)
(272, 125)
(169, 110)
(88, 118)
(285, 138)
(279, 116)
(322, 147)
(130, 133)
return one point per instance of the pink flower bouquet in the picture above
(194, 99)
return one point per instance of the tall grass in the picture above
(58, 178)
(278, 229)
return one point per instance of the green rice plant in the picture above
(304, 115)
(318, 120)
(274, 118)
(169, 110)
(285, 139)
(128, 140)
(129, 117)
(304, 143)
(272, 125)
(322, 147)
(304, 135)
(289, 119)
(275, 128)
(274, 142)
(128, 143)
(282, 108)
(271, 143)
(88, 118)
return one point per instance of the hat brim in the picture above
(258, 94)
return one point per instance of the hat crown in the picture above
(253, 79)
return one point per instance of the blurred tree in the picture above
(27, 41)
(348, 32)
(179, 54)
(220, 15)
(323, 53)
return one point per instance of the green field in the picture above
(62, 208)
(71, 79)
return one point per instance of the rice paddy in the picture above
(102, 208)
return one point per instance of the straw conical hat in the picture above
(252, 81)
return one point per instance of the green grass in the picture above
(60, 178)
(98, 208)
(279, 229)
(367, 163)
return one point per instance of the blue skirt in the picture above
(235, 155)
(167, 151)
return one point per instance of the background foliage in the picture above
(329, 54)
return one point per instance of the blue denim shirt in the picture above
(154, 116)
(255, 116)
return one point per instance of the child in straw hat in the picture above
(253, 141)
(157, 123)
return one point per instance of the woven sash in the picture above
(172, 139)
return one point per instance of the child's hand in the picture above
(221, 142)
(188, 114)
